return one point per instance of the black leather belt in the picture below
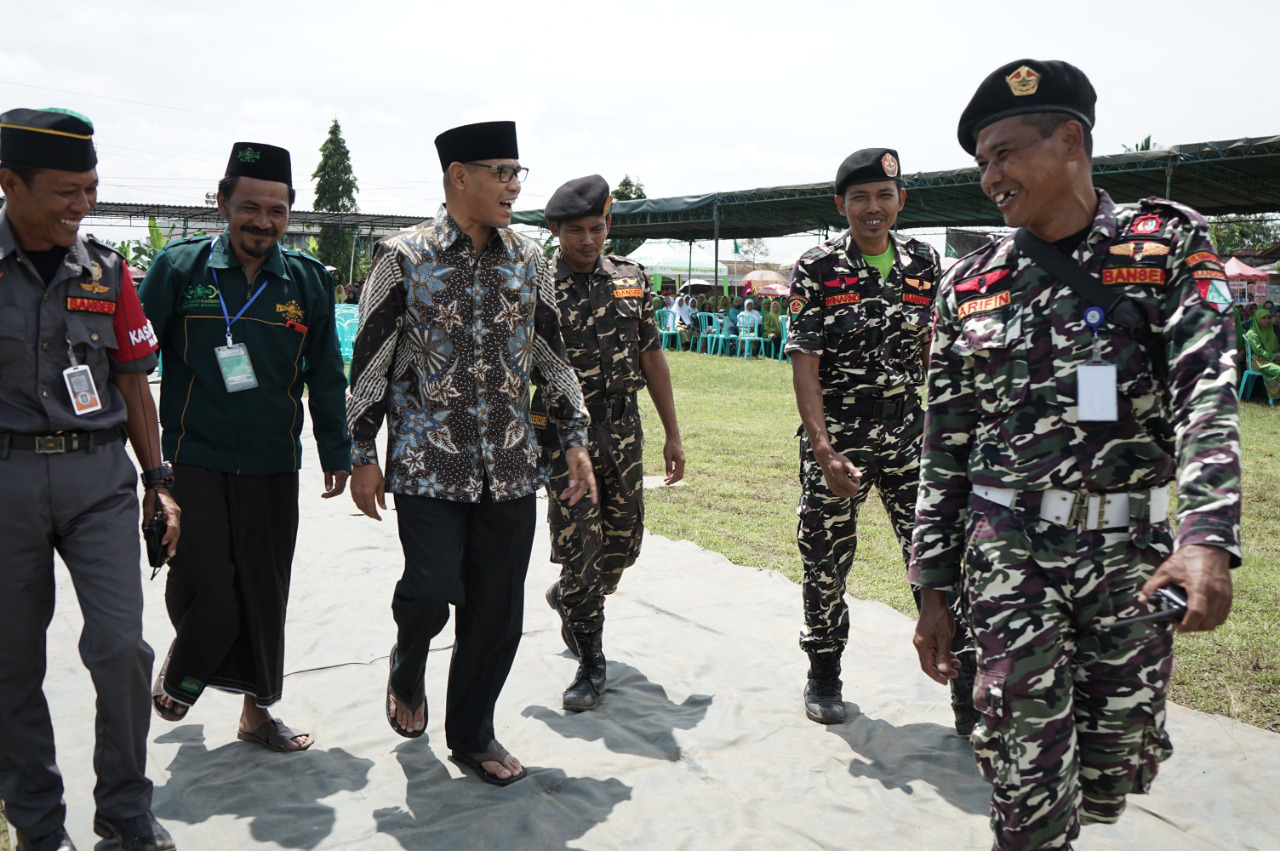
(612, 410)
(57, 444)
(880, 408)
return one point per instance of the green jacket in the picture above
(292, 341)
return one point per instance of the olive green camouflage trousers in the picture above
(888, 455)
(1072, 712)
(594, 543)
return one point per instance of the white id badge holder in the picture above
(81, 387)
(235, 366)
(1096, 390)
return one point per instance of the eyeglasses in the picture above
(505, 172)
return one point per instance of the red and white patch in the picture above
(796, 305)
(135, 338)
(843, 298)
(1147, 224)
(982, 282)
(916, 298)
(890, 165)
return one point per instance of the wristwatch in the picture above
(158, 477)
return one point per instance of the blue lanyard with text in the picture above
(231, 320)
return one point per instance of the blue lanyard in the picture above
(231, 320)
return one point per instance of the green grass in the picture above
(738, 423)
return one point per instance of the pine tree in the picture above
(626, 190)
(335, 193)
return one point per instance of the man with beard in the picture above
(244, 327)
(457, 316)
(860, 310)
(1079, 367)
(612, 342)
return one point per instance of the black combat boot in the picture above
(823, 702)
(588, 684)
(962, 694)
(553, 600)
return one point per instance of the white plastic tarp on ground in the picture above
(701, 741)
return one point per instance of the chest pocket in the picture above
(996, 344)
(626, 313)
(15, 354)
(853, 327)
(91, 335)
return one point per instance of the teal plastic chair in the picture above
(726, 343)
(785, 323)
(668, 330)
(708, 331)
(749, 337)
(347, 337)
(1250, 375)
(346, 311)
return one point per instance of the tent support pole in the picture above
(715, 268)
(690, 278)
(1168, 180)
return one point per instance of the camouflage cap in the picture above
(47, 138)
(869, 165)
(1025, 86)
(582, 196)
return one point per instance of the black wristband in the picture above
(159, 477)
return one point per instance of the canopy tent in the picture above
(1239, 271)
(1217, 178)
(681, 260)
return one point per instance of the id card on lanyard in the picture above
(233, 358)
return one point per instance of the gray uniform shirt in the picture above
(90, 306)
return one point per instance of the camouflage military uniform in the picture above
(606, 323)
(1073, 716)
(870, 335)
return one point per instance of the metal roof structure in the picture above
(1240, 176)
(198, 215)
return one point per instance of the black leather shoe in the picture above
(140, 833)
(588, 684)
(962, 695)
(823, 701)
(553, 600)
(56, 841)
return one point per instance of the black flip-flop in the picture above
(419, 699)
(168, 713)
(275, 736)
(495, 753)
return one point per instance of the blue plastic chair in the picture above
(708, 332)
(347, 337)
(668, 330)
(749, 337)
(1250, 374)
(785, 323)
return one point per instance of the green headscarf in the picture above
(1263, 340)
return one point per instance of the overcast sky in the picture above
(689, 97)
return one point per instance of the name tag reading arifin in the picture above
(236, 368)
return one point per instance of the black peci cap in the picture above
(870, 165)
(1025, 86)
(265, 162)
(488, 140)
(47, 138)
(583, 196)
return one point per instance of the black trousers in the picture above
(475, 556)
(229, 583)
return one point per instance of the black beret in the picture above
(488, 140)
(868, 166)
(1025, 86)
(47, 138)
(265, 162)
(584, 196)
